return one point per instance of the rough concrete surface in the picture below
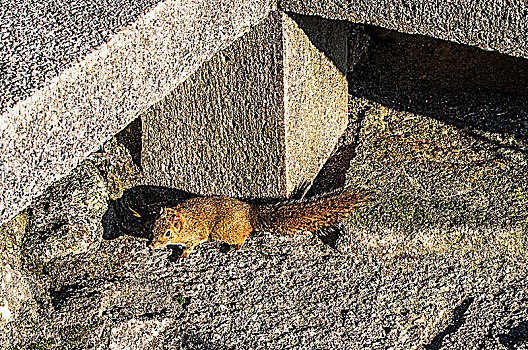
(44, 136)
(259, 118)
(221, 130)
(491, 25)
(40, 39)
(437, 261)
(315, 96)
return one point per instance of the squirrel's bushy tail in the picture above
(307, 216)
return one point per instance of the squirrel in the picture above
(231, 221)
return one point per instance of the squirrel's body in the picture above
(232, 221)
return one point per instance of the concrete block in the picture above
(44, 136)
(491, 25)
(259, 118)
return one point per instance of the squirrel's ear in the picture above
(161, 211)
(176, 220)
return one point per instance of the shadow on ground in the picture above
(516, 336)
(134, 213)
(457, 321)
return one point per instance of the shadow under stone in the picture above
(458, 320)
(332, 175)
(130, 137)
(75, 291)
(135, 212)
(516, 336)
(482, 93)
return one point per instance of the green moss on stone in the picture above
(437, 187)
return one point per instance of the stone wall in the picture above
(76, 96)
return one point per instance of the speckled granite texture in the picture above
(438, 261)
(40, 39)
(491, 25)
(258, 119)
(43, 137)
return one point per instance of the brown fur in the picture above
(232, 221)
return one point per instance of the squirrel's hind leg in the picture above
(233, 235)
(187, 251)
(241, 238)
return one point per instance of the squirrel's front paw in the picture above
(177, 253)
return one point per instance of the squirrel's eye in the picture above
(167, 234)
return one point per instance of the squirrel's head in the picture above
(166, 228)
